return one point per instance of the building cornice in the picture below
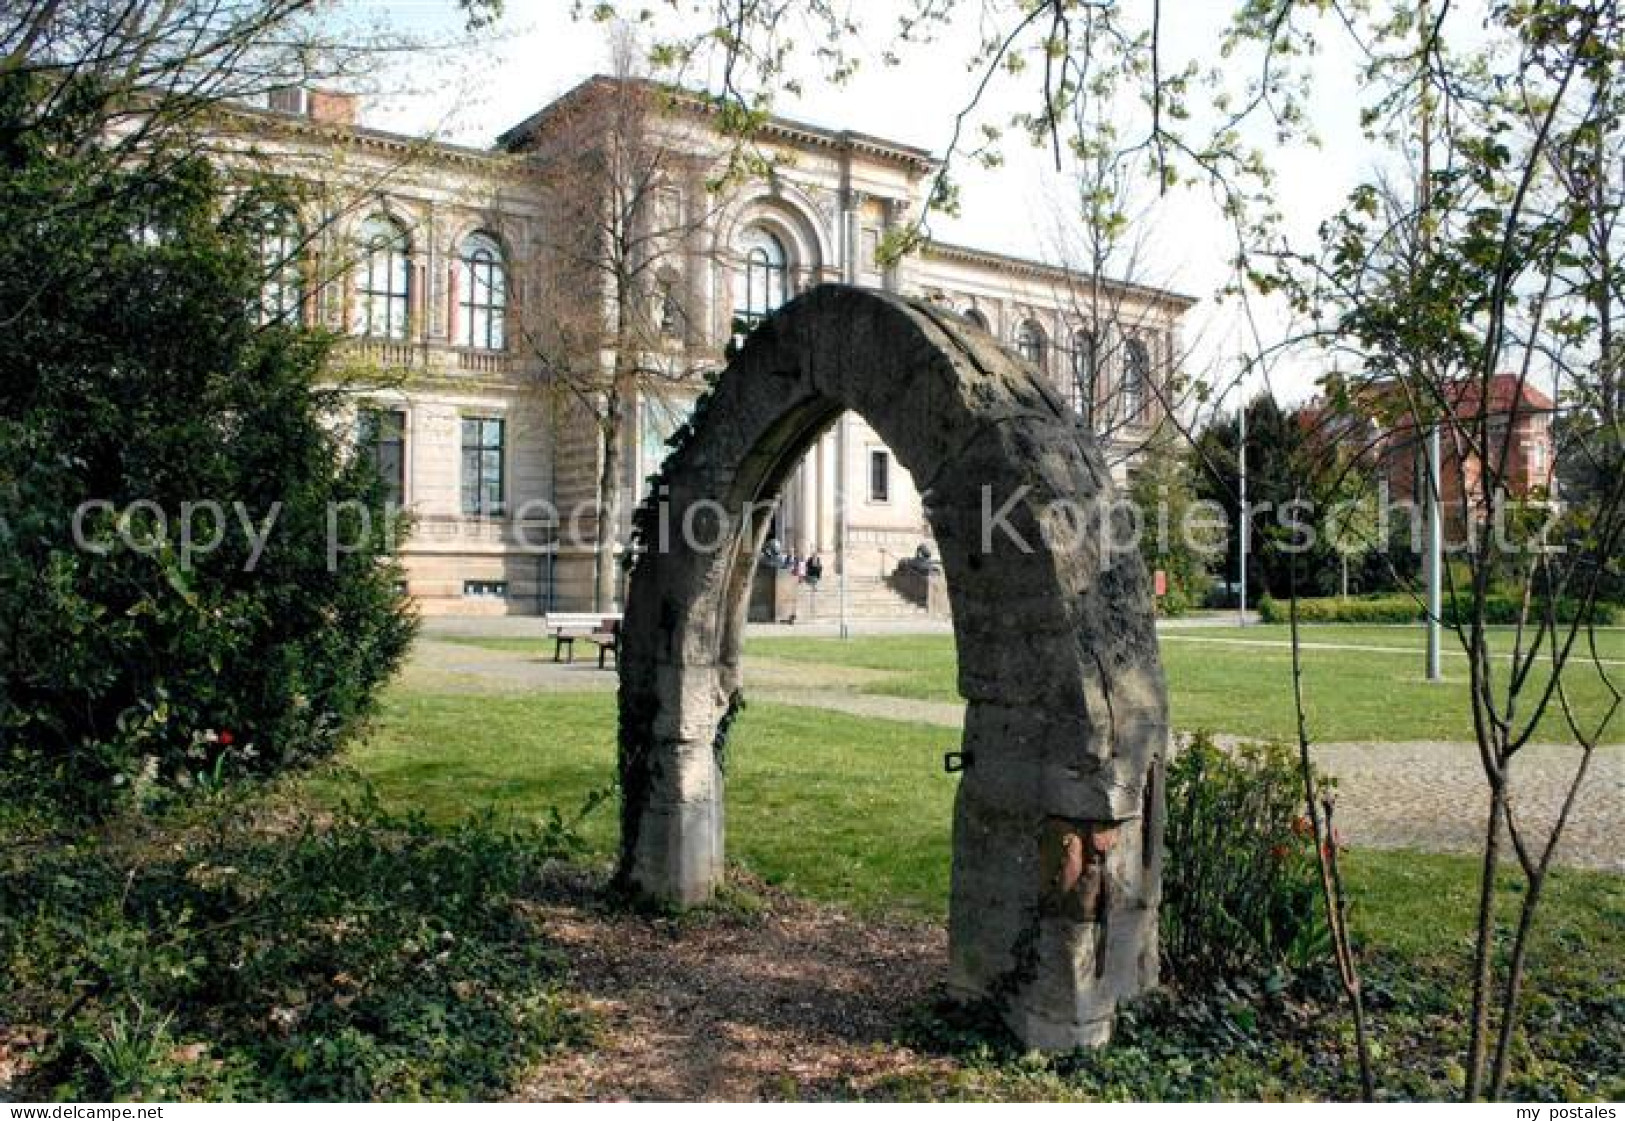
(1041, 270)
(260, 121)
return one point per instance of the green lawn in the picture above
(833, 806)
(841, 808)
(1236, 681)
(1239, 681)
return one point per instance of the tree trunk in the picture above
(1484, 942)
(605, 572)
(1514, 984)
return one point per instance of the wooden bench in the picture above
(601, 628)
(608, 639)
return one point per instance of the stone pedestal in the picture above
(772, 595)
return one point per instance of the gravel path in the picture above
(1431, 795)
(453, 667)
(1420, 794)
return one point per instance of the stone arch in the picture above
(1057, 820)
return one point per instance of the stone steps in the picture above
(866, 598)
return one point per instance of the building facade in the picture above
(1381, 434)
(436, 261)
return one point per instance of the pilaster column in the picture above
(896, 215)
(852, 201)
(806, 507)
(435, 287)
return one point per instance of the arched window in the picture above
(282, 289)
(763, 286)
(976, 317)
(1085, 373)
(1136, 378)
(482, 294)
(384, 280)
(1030, 343)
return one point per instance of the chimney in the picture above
(333, 108)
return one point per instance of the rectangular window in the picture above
(381, 437)
(879, 476)
(486, 589)
(483, 483)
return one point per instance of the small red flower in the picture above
(1302, 826)
(226, 738)
(1279, 852)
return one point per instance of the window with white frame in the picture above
(765, 281)
(482, 294)
(384, 280)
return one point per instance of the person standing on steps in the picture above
(815, 570)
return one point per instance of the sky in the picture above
(537, 51)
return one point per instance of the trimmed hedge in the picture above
(1498, 610)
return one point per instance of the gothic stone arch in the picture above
(1057, 822)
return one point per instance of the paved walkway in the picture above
(1578, 657)
(1423, 794)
